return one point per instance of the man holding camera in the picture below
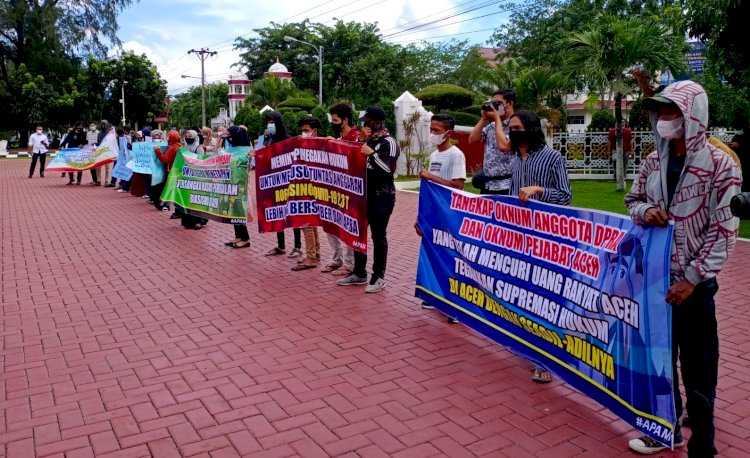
(492, 130)
(691, 183)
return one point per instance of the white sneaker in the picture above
(647, 446)
(375, 287)
(427, 306)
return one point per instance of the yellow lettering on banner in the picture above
(590, 354)
(471, 294)
(281, 195)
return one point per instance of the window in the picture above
(576, 120)
(237, 89)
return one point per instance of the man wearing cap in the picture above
(382, 153)
(689, 182)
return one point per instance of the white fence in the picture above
(587, 153)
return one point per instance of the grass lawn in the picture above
(601, 195)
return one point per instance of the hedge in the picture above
(446, 96)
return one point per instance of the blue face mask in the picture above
(271, 129)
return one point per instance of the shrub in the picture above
(446, 96)
(298, 102)
(463, 119)
(602, 121)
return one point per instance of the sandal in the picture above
(299, 267)
(235, 245)
(275, 252)
(540, 377)
(331, 267)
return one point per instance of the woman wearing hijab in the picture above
(277, 132)
(238, 137)
(209, 141)
(167, 158)
(192, 142)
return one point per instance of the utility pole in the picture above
(203, 53)
(122, 100)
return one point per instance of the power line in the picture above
(454, 23)
(431, 15)
(443, 36)
(468, 10)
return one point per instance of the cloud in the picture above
(165, 30)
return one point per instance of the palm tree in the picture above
(271, 91)
(534, 88)
(603, 54)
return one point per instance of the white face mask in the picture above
(436, 139)
(307, 134)
(671, 129)
(39, 131)
(501, 110)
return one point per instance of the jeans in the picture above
(281, 240)
(695, 341)
(42, 158)
(342, 254)
(379, 209)
(312, 243)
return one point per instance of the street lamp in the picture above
(122, 101)
(289, 39)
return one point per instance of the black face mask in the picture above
(518, 138)
(189, 141)
(336, 129)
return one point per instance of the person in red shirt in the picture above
(342, 123)
(627, 146)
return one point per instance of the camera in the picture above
(488, 106)
(740, 205)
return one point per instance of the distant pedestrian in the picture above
(38, 144)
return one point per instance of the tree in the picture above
(429, 63)
(271, 91)
(251, 118)
(42, 34)
(145, 91)
(721, 24)
(602, 54)
(185, 108)
(536, 87)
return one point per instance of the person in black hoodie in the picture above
(277, 132)
(238, 137)
(75, 139)
(382, 153)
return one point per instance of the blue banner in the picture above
(145, 162)
(580, 292)
(121, 170)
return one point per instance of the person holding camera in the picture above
(691, 183)
(492, 130)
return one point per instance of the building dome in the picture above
(278, 67)
(239, 76)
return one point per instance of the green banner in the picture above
(211, 186)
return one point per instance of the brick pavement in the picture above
(148, 340)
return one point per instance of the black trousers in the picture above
(695, 341)
(281, 239)
(379, 210)
(42, 158)
(78, 176)
(155, 194)
(240, 232)
(93, 176)
(503, 192)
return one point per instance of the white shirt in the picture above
(449, 164)
(38, 143)
(92, 136)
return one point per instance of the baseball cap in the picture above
(374, 113)
(653, 103)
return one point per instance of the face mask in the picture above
(336, 130)
(38, 131)
(92, 128)
(500, 109)
(672, 129)
(189, 141)
(518, 138)
(271, 129)
(437, 139)
(307, 134)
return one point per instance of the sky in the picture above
(165, 30)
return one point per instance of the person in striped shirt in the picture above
(539, 174)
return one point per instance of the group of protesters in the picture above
(517, 162)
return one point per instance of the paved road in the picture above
(124, 335)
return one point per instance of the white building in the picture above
(239, 89)
(579, 117)
(279, 70)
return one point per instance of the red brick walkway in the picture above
(148, 340)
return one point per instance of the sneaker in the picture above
(427, 306)
(119, 190)
(352, 279)
(295, 253)
(647, 446)
(452, 320)
(165, 209)
(376, 286)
